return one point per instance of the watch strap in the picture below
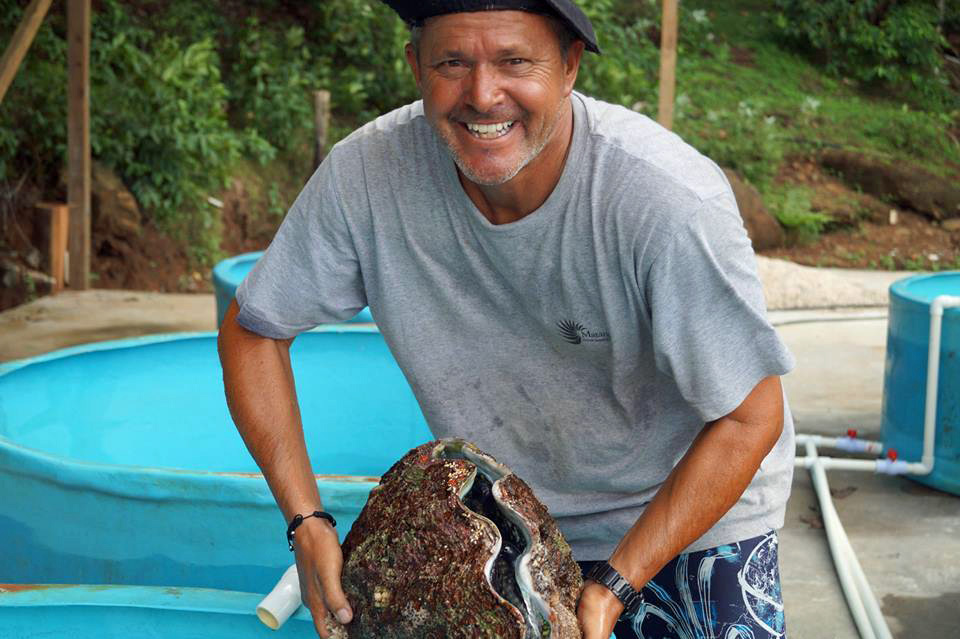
(606, 575)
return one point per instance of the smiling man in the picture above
(567, 285)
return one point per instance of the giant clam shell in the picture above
(452, 544)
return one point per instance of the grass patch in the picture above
(751, 109)
(791, 206)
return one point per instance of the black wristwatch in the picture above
(606, 575)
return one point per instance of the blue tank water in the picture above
(905, 378)
(119, 462)
(228, 274)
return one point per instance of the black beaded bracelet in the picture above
(298, 519)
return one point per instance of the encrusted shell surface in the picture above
(416, 560)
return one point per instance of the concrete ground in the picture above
(907, 537)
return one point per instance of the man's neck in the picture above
(530, 188)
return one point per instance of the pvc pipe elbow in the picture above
(282, 601)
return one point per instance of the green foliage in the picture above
(357, 48)
(629, 36)
(186, 93)
(269, 78)
(746, 138)
(158, 117)
(896, 44)
(904, 128)
(626, 72)
(791, 206)
(33, 126)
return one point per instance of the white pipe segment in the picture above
(940, 303)
(817, 319)
(860, 598)
(282, 601)
(849, 444)
(891, 466)
(838, 549)
(837, 463)
(874, 613)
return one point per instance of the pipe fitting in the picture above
(893, 467)
(854, 445)
(282, 601)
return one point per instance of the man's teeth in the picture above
(490, 130)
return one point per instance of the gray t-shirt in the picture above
(584, 345)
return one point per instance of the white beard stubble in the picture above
(503, 178)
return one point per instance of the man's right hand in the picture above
(261, 394)
(319, 563)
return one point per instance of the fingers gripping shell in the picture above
(452, 544)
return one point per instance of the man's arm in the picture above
(260, 390)
(702, 487)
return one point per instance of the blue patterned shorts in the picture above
(728, 592)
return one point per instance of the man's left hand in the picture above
(597, 611)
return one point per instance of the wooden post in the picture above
(58, 214)
(78, 140)
(668, 62)
(321, 118)
(20, 42)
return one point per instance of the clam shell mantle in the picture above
(418, 560)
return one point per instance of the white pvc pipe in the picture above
(849, 444)
(879, 466)
(933, 372)
(817, 319)
(282, 601)
(863, 586)
(860, 598)
(834, 530)
(836, 463)
(886, 466)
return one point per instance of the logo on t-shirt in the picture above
(576, 333)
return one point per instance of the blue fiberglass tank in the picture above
(119, 462)
(228, 274)
(905, 378)
(120, 612)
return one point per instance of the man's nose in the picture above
(484, 90)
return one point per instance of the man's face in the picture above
(494, 85)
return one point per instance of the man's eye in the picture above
(516, 61)
(451, 63)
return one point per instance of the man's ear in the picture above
(572, 64)
(413, 62)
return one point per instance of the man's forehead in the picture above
(498, 32)
(415, 12)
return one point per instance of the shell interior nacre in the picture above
(508, 570)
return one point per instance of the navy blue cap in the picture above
(416, 11)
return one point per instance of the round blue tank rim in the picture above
(150, 597)
(900, 288)
(157, 338)
(146, 482)
(221, 272)
(160, 484)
